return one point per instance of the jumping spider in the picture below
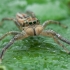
(30, 26)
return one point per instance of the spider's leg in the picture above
(11, 19)
(59, 43)
(56, 37)
(31, 14)
(4, 19)
(53, 22)
(9, 33)
(6, 47)
(20, 36)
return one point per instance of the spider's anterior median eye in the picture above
(30, 23)
(34, 22)
(21, 17)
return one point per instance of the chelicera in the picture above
(30, 26)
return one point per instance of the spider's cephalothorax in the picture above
(30, 26)
(25, 20)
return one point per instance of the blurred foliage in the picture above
(36, 53)
(49, 10)
(2, 68)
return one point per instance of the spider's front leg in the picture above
(11, 19)
(9, 33)
(4, 19)
(56, 38)
(53, 22)
(20, 36)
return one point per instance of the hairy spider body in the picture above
(30, 26)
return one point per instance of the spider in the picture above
(30, 26)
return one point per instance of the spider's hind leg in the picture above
(31, 14)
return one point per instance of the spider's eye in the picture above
(26, 22)
(30, 23)
(34, 22)
(23, 25)
(21, 17)
(38, 21)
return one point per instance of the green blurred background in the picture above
(36, 53)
